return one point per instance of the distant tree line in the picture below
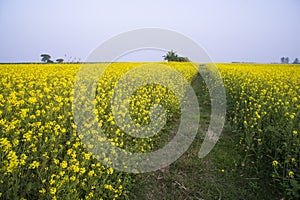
(286, 60)
(46, 58)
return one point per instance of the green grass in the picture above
(192, 178)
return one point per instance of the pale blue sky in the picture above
(231, 30)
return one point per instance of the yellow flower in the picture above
(42, 191)
(69, 152)
(34, 164)
(52, 190)
(91, 173)
(61, 173)
(291, 174)
(51, 182)
(110, 170)
(87, 156)
(72, 178)
(23, 159)
(16, 142)
(64, 164)
(75, 168)
(275, 163)
(259, 140)
(5, 144)
(32, 100)
(108, 186)
(82, 170)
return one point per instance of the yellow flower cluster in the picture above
(264, 108)
(41, 155)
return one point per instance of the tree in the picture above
(172, 56)
(296, 61)
(287, 60)
(59, 60)
(183, 59)
(46, 58)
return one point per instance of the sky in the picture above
(231, 30)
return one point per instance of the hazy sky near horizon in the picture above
(231, 30)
